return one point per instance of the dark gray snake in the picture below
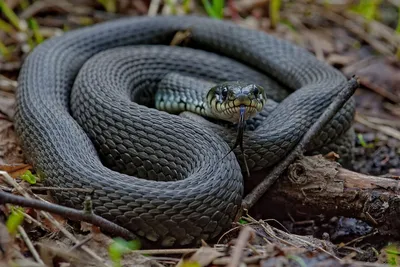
(183, 190)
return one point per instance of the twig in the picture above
(83, 242)
(379, 90)
(241, 243)
(227, 232)
(359, 239)
(72, 214)
(382, 128)
(327, 115)
(29, 244)
(49, 217)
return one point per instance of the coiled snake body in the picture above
(157, 174)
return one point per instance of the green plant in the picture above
(109, 5)
(11, 16)
(393, 253)
(14, 220)
(29, 177)
(363, 143)
(214, 9)
(274, 8)
(368, 8)
(35, 28)
(120, 247)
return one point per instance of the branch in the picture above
(314, 185)
(72, 214)
(315, 129)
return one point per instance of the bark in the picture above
(314, 185)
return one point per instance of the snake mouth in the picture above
(232, 114)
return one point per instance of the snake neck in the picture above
(177, 93)
(176, 102)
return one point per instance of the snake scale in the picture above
(85, 118)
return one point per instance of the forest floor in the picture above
(357, 38)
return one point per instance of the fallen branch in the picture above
(314, 185)
(72, 214)
(315, 129)
(50, 218)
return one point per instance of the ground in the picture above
(358, 37)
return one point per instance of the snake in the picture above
(89, 114)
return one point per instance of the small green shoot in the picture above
(4, 51)
(35, 28)
(120, 247)
(190, 264)
(109, 5)
(368, 9)
(186, 6)
(242, 221)
(172, 6)
(86, 21)
(29, 177)
(24, 4)
(5, 27)
(14, 220)
(10, 15)
(214, 9)
(392, 255)
(363, 143)
(274, 10)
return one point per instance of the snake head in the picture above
(225, 100)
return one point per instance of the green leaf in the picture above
(5, 27)
(214, 10)
(35, 28)
(10, 15)
(363, 143)
(274, 9)
(392, 255)
(190, 264)
(109, 5)
(29, 177)
(14, 220)
(119, 247)
(241, 221)
(4, 50)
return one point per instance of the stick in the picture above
(29, 244)
(241, 243)
(72, 214)
(328, 114)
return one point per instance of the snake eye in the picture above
(256, 91)
(224, 93)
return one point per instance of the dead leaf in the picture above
(202, 257)
(15, 170)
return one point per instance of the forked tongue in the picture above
(239, 137)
